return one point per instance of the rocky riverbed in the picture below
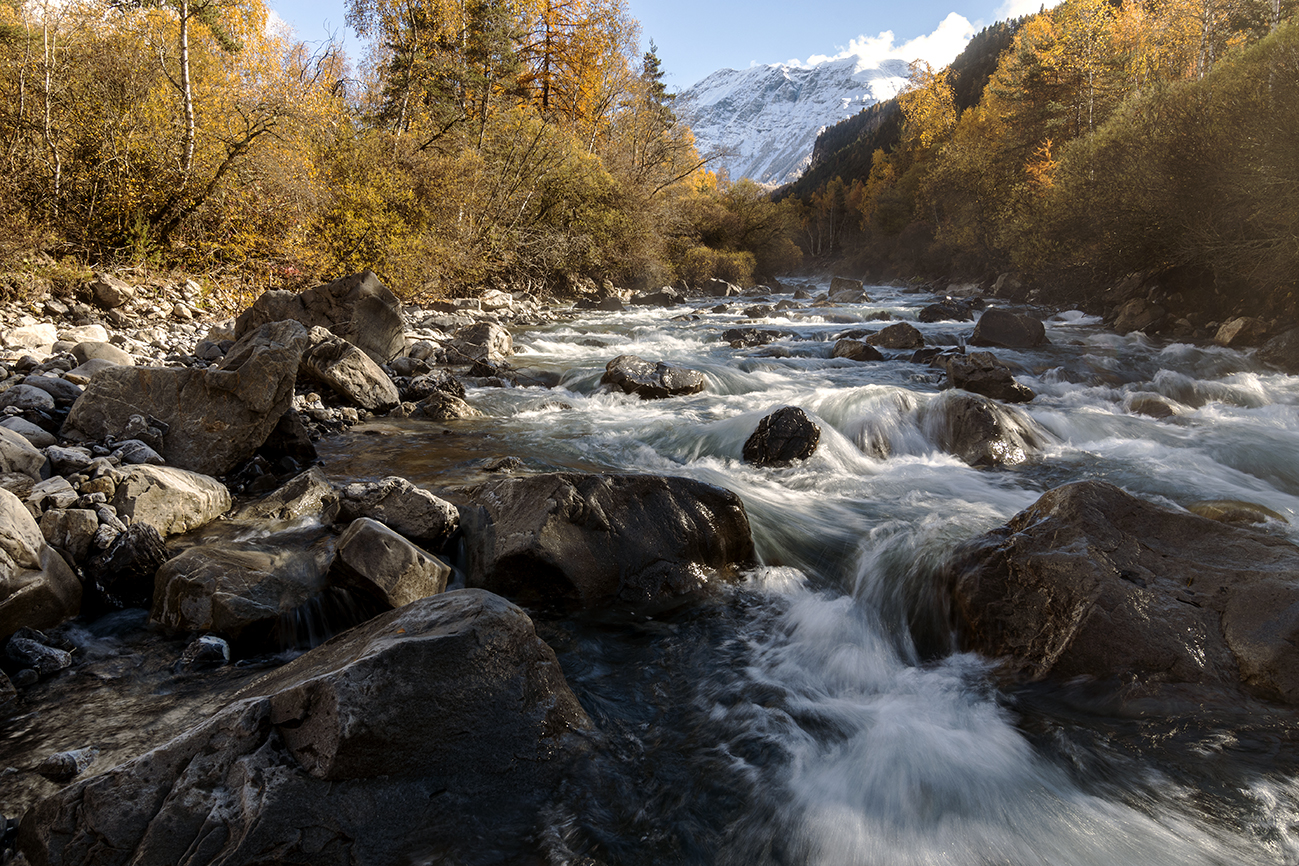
(220, 648)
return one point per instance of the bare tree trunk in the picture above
(50, 44)
(187, 95)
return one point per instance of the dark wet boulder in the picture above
(348, 372)
(607, 305)
(1282, 351)
(438, 732)
(215, 418)
(308, 494)
(401, 506)
(903, 335)
(123, 574)
(999, 328)
(855, 350)
(359, 308)
(946, 310)
(980, 431)
(716, 288)
(781, 438)
(37, 588)
(846, 286)
(664, 297)
(982, 373)
(1093, 582)
(602, 540)
(633, 375)
(375, 561)
(1139, 314)
(746, 338)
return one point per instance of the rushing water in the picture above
(796, 718)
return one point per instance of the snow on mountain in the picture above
(765, 119)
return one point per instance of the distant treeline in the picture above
(1078, 146)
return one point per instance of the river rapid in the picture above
(819, 712)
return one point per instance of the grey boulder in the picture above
(372, 559)
(401, 506)
(633, 375)
(37, 588)
(349, 372)
(171, 500)
(1003, 329)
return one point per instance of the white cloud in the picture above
(277, 26)
(938, 48)
(1016, 8)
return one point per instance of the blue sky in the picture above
(696, 37)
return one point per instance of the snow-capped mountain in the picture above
(766, 118)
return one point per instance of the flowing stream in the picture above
(818, 712)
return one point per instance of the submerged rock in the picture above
(980, 431)
(1091, 581)
(982, 373)
(781, 438)
(439, 732)
(633, 375)
(602, 540)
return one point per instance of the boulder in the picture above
(63, 767)
(980, 431)
(664, 297)
(215, 418)
(1138, 314)
(37, 437)
(1004, 329)
(431, 383)
(40, 337)
(109, 292)
(982, 373)
(855, 350)
(235, 588)
(1092, 582)
(494, 300)
(438, 732)
(27, 399)
(83, 373)
(65, 393)
(716, 288)
(70, 530)
(1242, 331)
(102, 351)
(403, 507)
(123, 574)
(441, 406)
(946, 310)
(1282, 351)
(348, 371)
(602, 540)
(900, 336)
(359, 308)
(745, 338)
(20, 456)
(375, 561)
(308, 494)
(84, 334)
(483, 341)
(843, 284)
(37, 588)
(169, 499)
(633, 375)
(781, 438)
(53, 492)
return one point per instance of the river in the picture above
(796, 718)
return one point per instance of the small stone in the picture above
(45, 660)
(205, 653)
(65, 766)
(135, 452)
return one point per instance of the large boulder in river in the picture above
(980, 431)
(348, 371)
(1093, 582)
(1282, 351)
(481, 341)
(215, 418)
(438, 732)
(855, 350)
(634, 375)
(903, 335)
(171, 500)
(358, 308)
(375, 561)
(781, 438)
(982, 373)
(37, 588)
(602, 540)
(1003, 329)
(401, 506)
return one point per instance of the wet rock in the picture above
(36, 436)
(427, 385)
(235, 588)
(482, 341)
(603, 540)
(289, 447)
(308, 494)
(1152, 406)
(123, 574)
(28, 653)
(979, 431)
(855, 350)
(62, 767)
(781, 438)
(372, 559)
(1093, 582)
(412, 738)
(358, 308)
(216, 418)
(903, 335)
(440, 406)
(71, 530)
(203, 653)
(171, 500)
(633, 375)
(1282, 351)
(982, 373)
(109, 292)
(1234, 511)
(745, 338)
(839, 285)
(1003, 329)
(946, 310)
(37, 588)
(1138, 314)
(8, 694)
(716, 288)
(608, 305)
(402, 507)
(664, 297)
(759, 311)
(1241, 332)
(349, 372)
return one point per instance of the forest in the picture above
(1141, 140)
(528, 144)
